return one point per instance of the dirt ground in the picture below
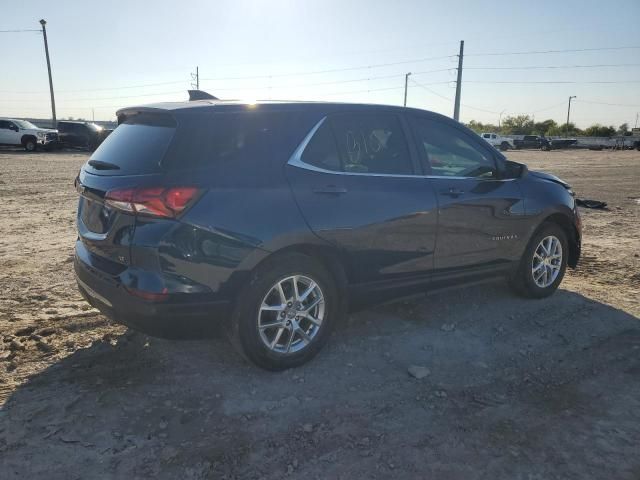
(517, 389)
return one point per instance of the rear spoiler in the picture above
(200, 95)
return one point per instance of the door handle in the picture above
(330, 189)
(452, 192)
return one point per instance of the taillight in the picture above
(155, 201)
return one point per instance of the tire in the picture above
(504, 146)
(288, 347)
(523, 281)
(30, 145)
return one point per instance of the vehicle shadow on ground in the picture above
(516, 388)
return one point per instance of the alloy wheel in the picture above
(291, 314)
(547, 261)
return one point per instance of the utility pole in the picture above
(636, 126)
(500, 119)
(456, 108)
(195, 77)
(568, 113)
(46, 51)
(406, 82)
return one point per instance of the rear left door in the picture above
(357, 182)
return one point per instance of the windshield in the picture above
(24, 124)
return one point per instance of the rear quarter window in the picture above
(203, 140)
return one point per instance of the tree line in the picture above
(526, 125)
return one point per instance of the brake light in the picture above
(154, 201)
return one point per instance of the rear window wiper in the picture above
(100, 165)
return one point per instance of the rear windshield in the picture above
(137, 146)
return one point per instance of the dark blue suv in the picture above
(273, 219)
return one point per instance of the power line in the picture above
(535, 67)
(20, 31)
(534, 52)
(451, 99)
(610, 104)
(551, 82)
(264, 77)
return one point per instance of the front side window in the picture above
(371, 143)
(449, 152)
(4, 125)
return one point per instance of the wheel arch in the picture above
(327, 256)
(25, 138)
(564, 222)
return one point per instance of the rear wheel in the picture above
(543, 263)
(286, 313)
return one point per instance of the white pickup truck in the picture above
(23, 133)
(502, 143)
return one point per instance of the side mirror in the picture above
(15, 128)
(514, 169)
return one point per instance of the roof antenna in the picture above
(200, 95)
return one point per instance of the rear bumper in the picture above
(180, 316)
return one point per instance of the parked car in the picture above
(272, 219)
(558, 143)
(532, 141)
(14, 132)
(498, 141)
(81, 134)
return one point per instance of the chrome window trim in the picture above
(296, 161)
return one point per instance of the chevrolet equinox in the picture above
(273, 219)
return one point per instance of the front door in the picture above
(480, 215)
(355, 179)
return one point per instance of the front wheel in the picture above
(543, 263)
(285, 314)
(30, 145)
(504, 146)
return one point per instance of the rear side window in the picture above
(321, 151)
(372, 143)
(202, 140)
(137, 146)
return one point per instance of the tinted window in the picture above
(486, 135)
(321, 151)
(449, 152)
(136, 146)
(4, 124)
(223, 137)
(372, 144)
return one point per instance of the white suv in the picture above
(22, 132)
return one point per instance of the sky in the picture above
(110, 54)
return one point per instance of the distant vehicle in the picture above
(562, 143)
(532, 141)
(502, 143)
(23, 133)
(271, 219)
(81, 134)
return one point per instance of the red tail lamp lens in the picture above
(155, 201)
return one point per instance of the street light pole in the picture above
(569, 113)
(406, 84)
(500, 119)
(46, 51)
